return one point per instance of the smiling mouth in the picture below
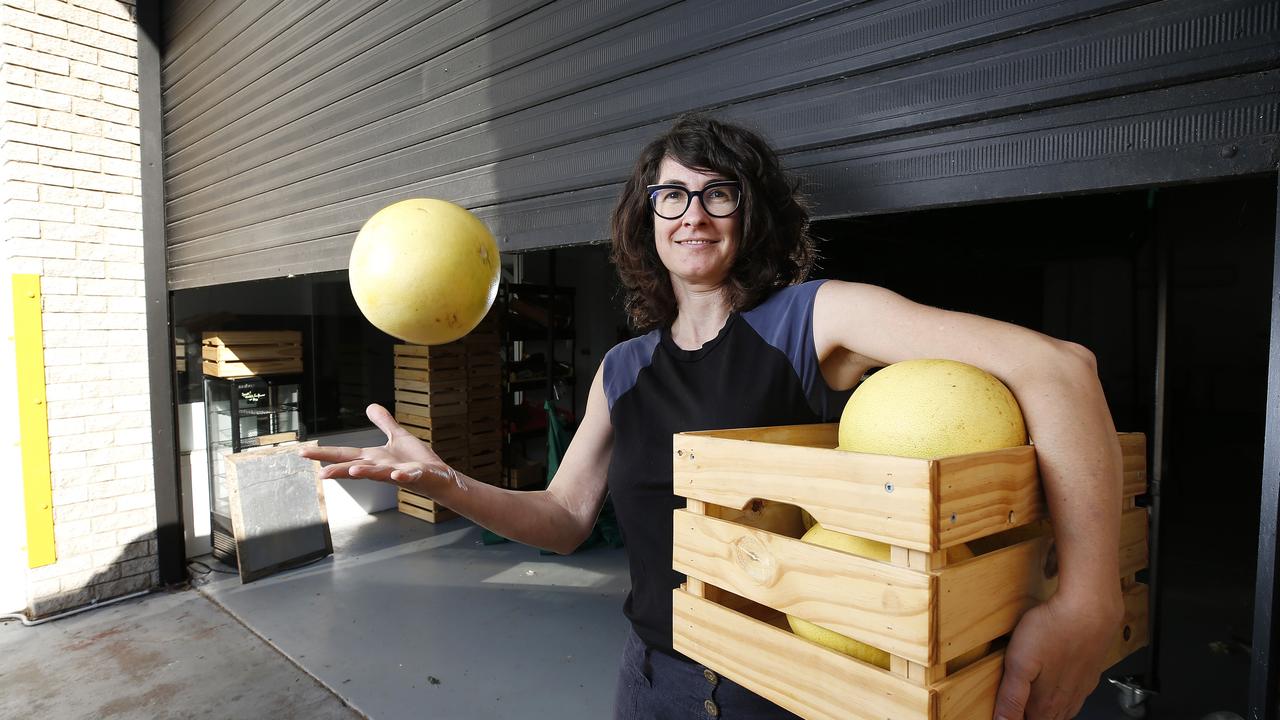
(697, 242)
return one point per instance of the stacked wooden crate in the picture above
(249, 353)
(449, 396)
(737, 543)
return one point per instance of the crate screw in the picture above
(953, 517)
(680, 453)
(1010, 517)
(888, 487)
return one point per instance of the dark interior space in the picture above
(1086, 269)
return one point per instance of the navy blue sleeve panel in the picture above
(623, 363)
(760, 370)
(785, 321)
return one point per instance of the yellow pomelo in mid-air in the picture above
(873, 550)
(931, 409)
(424, 270)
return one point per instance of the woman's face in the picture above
(696, 248)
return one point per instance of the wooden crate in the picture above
(422, 507)
(251, 353)
(737, 543)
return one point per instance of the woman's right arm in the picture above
(558, 518)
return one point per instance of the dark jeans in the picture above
(655, 686)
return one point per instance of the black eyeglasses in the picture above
(719, 199)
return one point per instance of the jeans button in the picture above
(710, 676)
(710, 707)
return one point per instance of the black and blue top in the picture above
(761, 369)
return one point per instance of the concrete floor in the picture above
(412, 620)
(161, 656)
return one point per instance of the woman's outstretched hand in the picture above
(404, 460)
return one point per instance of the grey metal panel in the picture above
(219, 34)
(841, 44)
(187, 21)
(496, 78)
(391, 92)
(529, 136)
(1050, 68)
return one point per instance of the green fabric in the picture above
(606, 532)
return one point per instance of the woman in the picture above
(710, 243)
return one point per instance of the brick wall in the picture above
(72, 214)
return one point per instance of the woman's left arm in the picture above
(1058, 649)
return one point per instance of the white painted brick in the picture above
(125, 585)
(115, 421)
(124, 203)
(121, 97)
(117, 321)
(21, 152)
(102, 146)
(111, 8)
(20, 190)
(45, 588)
(109, 218)
(106, 183)
(136, 337)
(100, 110)
(42, 137)
(59, 428)
(71, 530)
(123, 28)
(127, 305)
(66, 11)
(141, 518)
(25, 209)
(43, 99)
(117, 454)
(137, 470)
(83, 510)
(102, 390)
(84, 477)
(123, 133)
(95, 540)
(98, 39)
(86, 236)
(115, 61)
(68, 563)
(132, 436)
(36, 60)
(59, 120)
(25, 229)
(61, 321)
(141, 565)
(68, 86)
(93, 72)
(80, 408)
(130, 371)
(76, 269)
(16, 75)
(126, 271)
(58, 393)
(136, 501)
(67, 461)
(69, 196)
(59, 286)
(46, 248)
(125, 168)
(26, 266)
(67, 496)
(70, 160)
(111, 287)
(86, 373)
(75, 339)
(22, 114)
(75, 304)
(90, 580)
(118, 487)
(120, 236)
(15, 37)
(63, 48)
(134, 402)
(34, 23)
(39, 174)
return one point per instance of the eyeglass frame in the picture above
(654, 189)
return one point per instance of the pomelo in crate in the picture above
(424, 270)
(921, 409)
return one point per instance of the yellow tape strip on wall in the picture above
(33, 420)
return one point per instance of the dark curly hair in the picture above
(775, 250)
